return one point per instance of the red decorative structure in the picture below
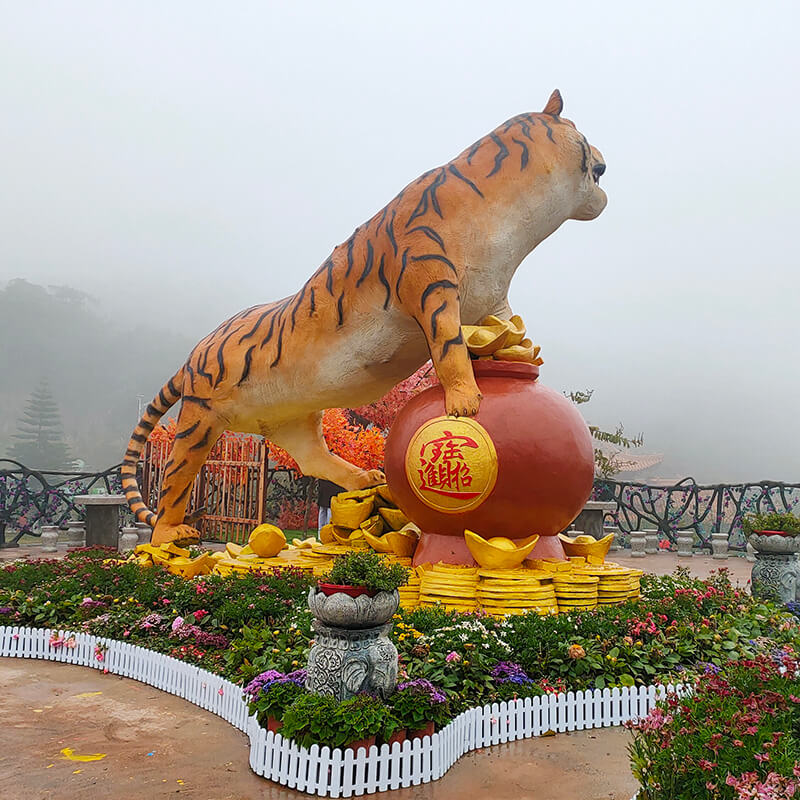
(544, 465)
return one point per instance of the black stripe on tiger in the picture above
(221, 360)
(340, 310)
(173, 391)
(175, 469)
(328, 265)
(523, 159)
(431, 234)
(189, 369)
(380, 221)
(298, 301)
(190, 398)
(137, 437)
(188, 431)
(474, 149)
(390, 232)
(432, 287)
(350, 242)
(132, 454)
(453, 169)
(502, 153)
(429, 199)
(181, 497)
(312, 307)
(548, 129)
(152, 411)
(280, 346)
(201, 366)
(146, 425)
(402, 270)
(435, 257)
(280, 309)
(203, 442)
(454, 341)
(382, 278)
(368, 265)
(248, 360)
(261, 318)
(434, 321)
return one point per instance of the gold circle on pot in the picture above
(451, 464)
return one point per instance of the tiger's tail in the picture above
(169, 395)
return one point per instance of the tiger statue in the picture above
(441, 254)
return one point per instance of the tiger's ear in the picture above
(555, 105)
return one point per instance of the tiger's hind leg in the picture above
(303, 440)
(198, 431)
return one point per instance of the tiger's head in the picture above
(582, 163)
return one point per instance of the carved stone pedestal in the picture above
(776, 573)
(352, 652)
(685, 544)
(49, 538)
(637, 544)
(651, 537)
(719, 545)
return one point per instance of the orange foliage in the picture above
(363, 447)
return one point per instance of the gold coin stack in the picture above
(452, 585)
(516, 591)
(409, 593)
(636, 586)
(614, 585)
(575, 592)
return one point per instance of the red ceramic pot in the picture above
(274, 724)
(365, 743)
(773, 533)
(354, 591)
(397, 736)
(427, 730)
(528, 466)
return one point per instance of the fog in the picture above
(182, 161)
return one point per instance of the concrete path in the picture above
(155, 745)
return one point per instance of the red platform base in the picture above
(434, 547)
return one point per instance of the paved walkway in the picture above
(155, 745)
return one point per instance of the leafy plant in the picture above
(368, 569)
(275, 700)
(323, 720)
(418, 702)
(771, 521)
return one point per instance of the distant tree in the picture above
(606, 460)
(39, 440)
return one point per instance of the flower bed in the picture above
(255, 631)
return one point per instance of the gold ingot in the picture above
(499, 552)
(171, 547)
(458, 569)
(394, 518)
(350, 538)
(403, 543)
(515, 326)
(587, 546)
(350, 513)
(374, 525)
(560, 580)
(516, 353)
(357, 494)
(385, 493)
(266, 541)
(483, 340)
(552, 565)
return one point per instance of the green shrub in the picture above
(771, 521)
(368, 569)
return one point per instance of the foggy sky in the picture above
(183, 160)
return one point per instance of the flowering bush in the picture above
(418, 702)
(271, 693)
(737, 736)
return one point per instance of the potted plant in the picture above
(773, 523)
(323, 720)
(363, 572)
(360, 591)
(420, 707)
(270, 694)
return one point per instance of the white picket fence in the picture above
(341, 773)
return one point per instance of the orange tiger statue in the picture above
(441, 254)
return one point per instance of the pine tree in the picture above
(40, 438)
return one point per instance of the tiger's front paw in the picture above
(463, 402)
(370, 477)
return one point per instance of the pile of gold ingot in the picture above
(636, 587)
(575, 592)
(614, 587)
(369, 518)
(516, 591)
(500, 339)
(454, 586)
(409, 593)
(176, 559)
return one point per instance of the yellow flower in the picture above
(288, 649)
(575, 651)
(276, 633)
(465, 662)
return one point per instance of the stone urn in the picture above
(776, 572)
(352, 652)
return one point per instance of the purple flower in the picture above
(6, 610)
(177, 623)
(422, 687)
(509, 672)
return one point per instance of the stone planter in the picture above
(751, 553)
(128, 540)
(144, 531)
(651, 537)
(638, 544)
(615, 545)
(352, 652)
(342, 611)
(685, 544)
(76, 535)
(776, 573)
(719, 545)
